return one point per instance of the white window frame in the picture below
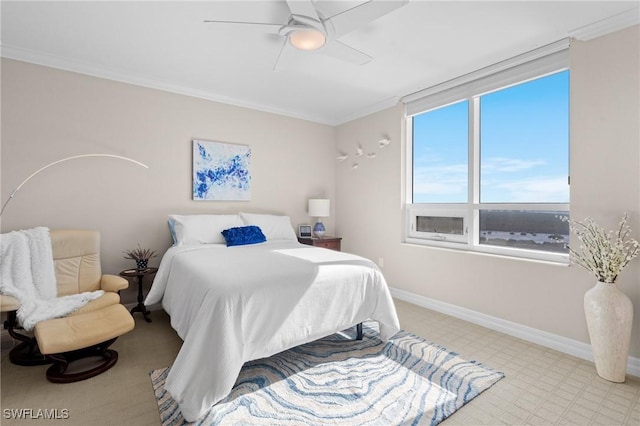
(532, 65)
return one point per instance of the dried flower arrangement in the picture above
(604, 254)
(140, 255)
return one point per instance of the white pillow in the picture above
(273, 227)
(202, 228)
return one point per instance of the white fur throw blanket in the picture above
(27, 273)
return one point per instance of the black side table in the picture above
(139, 274)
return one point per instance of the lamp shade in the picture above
(319, 207)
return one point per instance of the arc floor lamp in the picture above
(119, 157)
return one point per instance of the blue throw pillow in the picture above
(243, 235)
(172, 231)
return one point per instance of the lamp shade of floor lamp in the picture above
(319, 208)
(15, 191)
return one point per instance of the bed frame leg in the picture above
(359, 331)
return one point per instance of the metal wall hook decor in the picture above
(360, 152)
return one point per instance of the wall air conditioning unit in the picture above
(445, 226)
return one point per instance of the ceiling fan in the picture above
(307, 29)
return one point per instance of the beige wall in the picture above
(48, 114)
(605, 161)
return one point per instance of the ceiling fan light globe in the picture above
(307, 39)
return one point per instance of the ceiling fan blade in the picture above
(303, 8)
(341, 51)
(358, 16)
(264, 27)
(286, 56)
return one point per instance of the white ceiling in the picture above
(167, 45)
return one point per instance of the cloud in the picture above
(508, 165)
(440, 180)
(551, 189)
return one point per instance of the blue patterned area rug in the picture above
(337, 380)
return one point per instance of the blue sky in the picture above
(524, 146)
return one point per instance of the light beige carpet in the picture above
(542, 386)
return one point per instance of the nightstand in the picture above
(332, 243)
(139, 274)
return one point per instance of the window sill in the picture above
(510, 254)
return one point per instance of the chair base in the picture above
(26, 352)
(28, 355)
(58, 372)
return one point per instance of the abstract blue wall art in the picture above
(221, 171)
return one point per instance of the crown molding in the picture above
(53, 61)
(608, 25)
(371, 109)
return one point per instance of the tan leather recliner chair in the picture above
(86, 332)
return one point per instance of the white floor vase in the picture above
(609, 314)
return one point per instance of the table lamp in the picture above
(319, 208)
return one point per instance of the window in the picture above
(489, 160)
(440, 155)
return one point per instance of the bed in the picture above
(234, 304)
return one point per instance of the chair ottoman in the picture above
(64, 340)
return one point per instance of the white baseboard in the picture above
(562, 344)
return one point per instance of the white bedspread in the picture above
(235, 304)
